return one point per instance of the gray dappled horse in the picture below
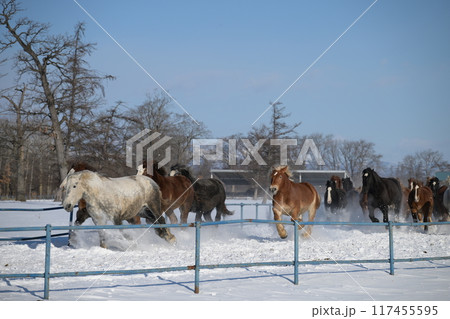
(115, 199)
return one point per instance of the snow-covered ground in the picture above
(227, 244)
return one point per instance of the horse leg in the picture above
(218, 217)
(372, 215)
(280, 228)
(117, 221)
(299, 219)
(161, 232)
(82, 215)
(385, 211)
(172, 217)
(184, 216)
(427, 215)
(311, 216)
(154, 214)
(99, 221)
(207, 216)
(397, 213)
(198, 216)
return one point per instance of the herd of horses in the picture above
(420, 200)
(152, 193)
(148, 194)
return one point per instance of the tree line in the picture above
(55, 114)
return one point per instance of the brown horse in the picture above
(420, 201)
(412, 182)
(176, 192)
(292, 199)
(82, 213)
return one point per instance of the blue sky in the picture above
(387, 80)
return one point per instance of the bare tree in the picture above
(18, 138)
(58, 73)
(328, 148)
(156, 114)
(357, 155)
(421, 165)
(41, 55)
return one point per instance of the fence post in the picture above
(256, 210)
(197, 258)
(391, 249)
(242, 210)
(295, 253)
(48, 242)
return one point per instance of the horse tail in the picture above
(317, 199)
(223, 209)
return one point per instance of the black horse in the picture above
(351, 193)
(209, 193)
(381, 193)
(440, 211)
(334, 198)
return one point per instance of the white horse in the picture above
(115, 199)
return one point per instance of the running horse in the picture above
(209, 193)
(381, 193)
(82, 212)
(292, 199)
(176, 192)
(420, 201)
(116, 199)
(351, 193)
(441, 197)
(335, 198)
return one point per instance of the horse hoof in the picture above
(283, 237)
(172, 240)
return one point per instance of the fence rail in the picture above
(47, 275)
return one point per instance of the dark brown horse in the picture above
(176, 192)
(209, 193)
(82, 213)
(337, 180)
(420, 201)
(292, 199)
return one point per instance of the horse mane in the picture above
(160, 170)
(184, 170)
(82, 166)
(280, 167)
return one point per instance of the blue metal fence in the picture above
(47, 275)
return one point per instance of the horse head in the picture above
(368, 178)
(331, 185)
(337, 180)
(74, 189)
(347, 184)
(280, 175)
(434, 184)
(176, 169)
(179, 169)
